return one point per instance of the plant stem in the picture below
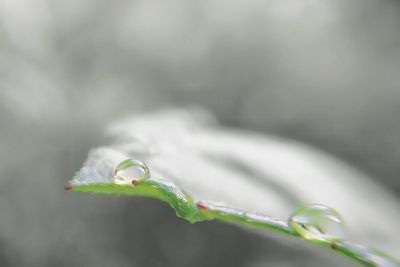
(195, 211)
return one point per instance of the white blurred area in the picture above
(253, 172)
(321, 73)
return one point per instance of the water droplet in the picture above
(317, 222)
(130, 171)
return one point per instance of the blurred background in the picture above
(321, 72)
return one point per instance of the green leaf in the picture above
(243, 170)
(186, 208)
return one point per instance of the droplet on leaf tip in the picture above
(130, 171)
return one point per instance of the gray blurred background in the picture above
(323, 72)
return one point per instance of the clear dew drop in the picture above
(131, 170)
(318, 222)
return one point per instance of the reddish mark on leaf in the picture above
(334, 246)
(201, 206)
(68, 186)
(134, 182)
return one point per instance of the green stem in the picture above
(195, 211)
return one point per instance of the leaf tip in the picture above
(68, 186)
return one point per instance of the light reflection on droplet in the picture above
(317, 222)
(131, 170)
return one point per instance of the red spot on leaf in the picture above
(134, 182)
(334, 246)
(201, 206)
(68, 186)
